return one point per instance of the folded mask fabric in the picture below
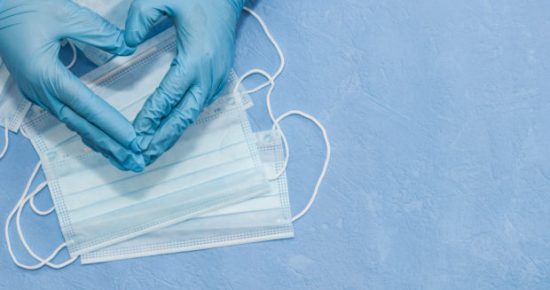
(13, 106)
(4, 75)
(215, 164)
(265, 217)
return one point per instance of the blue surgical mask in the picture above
(215, 164)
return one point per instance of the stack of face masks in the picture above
(13, 106)
(219, 185)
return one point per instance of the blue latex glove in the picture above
(30, 35)
(205, 44)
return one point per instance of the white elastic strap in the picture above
(48, 260)
(73, 49)
(276, 121)
(38, 211)
(271, 81)
(6, 139)
(17, 210)
(325, 164)
(24, 133)
(276, 126)
(275, 44)
(35, 209)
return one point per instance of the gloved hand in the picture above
(205, 44)
(30, 35)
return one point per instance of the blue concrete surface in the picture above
(439, 115)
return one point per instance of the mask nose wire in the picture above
(276, 121)
(25, 197)
(6, 139)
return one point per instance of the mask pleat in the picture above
(121, 196)
(264, 217)
(169, 209)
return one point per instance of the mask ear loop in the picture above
(38, 211)
(75, 54)
(270, 82)
(276, 121)
(6, 139)
(271, 116)
(17, 210)
(48, 260)
(34, 208)
(282, 61)
(325, 164)
(276, 127)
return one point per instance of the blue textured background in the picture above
(439, 115)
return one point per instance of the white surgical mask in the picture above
(13, 108)
(214, 165)
(266, 217)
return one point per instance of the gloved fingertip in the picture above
(135, 147)
(132, 37)
(139, 164)
(126, 50)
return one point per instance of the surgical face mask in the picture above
(266, 217)
(263, 218)
(13, 108)
(215, 164)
